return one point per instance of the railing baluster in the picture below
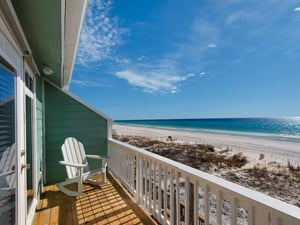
(187, 200)
(251, 215)
(159, 193)
(154, 189)
(234, 205)
(150, 186)
(261, 216)
(178, 220)
(196, 203)
(165, 195)
(219, 207)
(141, 179)
(275, 220)
(125, 170)
(145, 181)
(129, 171)
(206, 204)
(172, 211)
(132, 169)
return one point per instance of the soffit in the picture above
(41, 24)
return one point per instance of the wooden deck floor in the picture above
(108, 203)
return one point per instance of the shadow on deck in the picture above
(108, 203)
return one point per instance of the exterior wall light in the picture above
(47, 70)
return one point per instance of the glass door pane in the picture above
(29, 176)
(7, 144)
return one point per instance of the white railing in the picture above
(192, 196)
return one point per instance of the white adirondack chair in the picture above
(77, 167)
(7, 180)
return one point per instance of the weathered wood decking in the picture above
(107, 204)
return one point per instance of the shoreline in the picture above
(252, 147)
(265, 136)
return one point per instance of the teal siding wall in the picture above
(39, 130)
(66, 117)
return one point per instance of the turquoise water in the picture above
(284, 129)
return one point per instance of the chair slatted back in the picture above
(73, 152)
(8, 166)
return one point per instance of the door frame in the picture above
(31, 94)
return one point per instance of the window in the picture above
(7, 143)
(28, 81)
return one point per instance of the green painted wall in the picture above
(66, 117)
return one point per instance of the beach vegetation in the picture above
(293, 168)
(199, 156)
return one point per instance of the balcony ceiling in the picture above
(52, 31)
(41, 23)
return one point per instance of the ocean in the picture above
(283, 129)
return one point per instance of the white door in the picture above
(30, 156)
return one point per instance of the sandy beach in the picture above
(252, 147)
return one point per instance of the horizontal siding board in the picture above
(66, 117)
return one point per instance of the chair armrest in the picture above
(97, 157)
(72, 164)
(7, 173)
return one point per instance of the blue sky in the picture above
(190, 59)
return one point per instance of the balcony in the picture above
(107, 204)
(172, 193)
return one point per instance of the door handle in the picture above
(25, 166)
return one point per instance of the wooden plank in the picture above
(108, 204)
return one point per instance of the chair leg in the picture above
(63, 189)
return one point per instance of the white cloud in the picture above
(100, 34)
(141, 58)
(87, 83)
(243, 17)
(297, 9)
(90, 81)
(211, 45)
(153, 80)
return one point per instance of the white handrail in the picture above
(192, 193)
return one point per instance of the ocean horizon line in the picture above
(208, 118)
